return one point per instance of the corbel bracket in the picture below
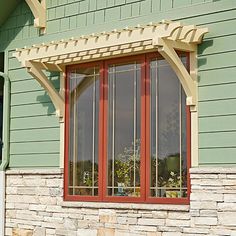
(36, 70)
(167, 50)
(38, 9)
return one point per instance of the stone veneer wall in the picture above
(34, 206)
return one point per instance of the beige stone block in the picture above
(159, 214)
(70, 224)
(54, 208)
(36, 207)
(38, 231)
(11, 213)
(10, 205)
(64, 232)
(155, 222)
(229, 182)
(8, 232)
(205, 220)
(171, 234)
(204, 176)
(194, 230)
(229, 197)
(21, 206)
(106, 232)
(144, 228)
(222, 206)
(22, 232)
(54, 219)
(87, 232)
(208, 213)
(126, 220)
(83, 224)
(93, 218)
(54, 183)
(206, 196)
(179, 215)
(11, 190)
(170, 222)
(220, 231)
(45, 200)
(203, 205)
(227, 218)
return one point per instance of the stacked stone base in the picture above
(35, 207)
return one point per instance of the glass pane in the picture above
(83, 133)
(168, 133)
(123, 151)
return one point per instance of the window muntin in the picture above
(139, 186)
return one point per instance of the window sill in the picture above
(130, 206)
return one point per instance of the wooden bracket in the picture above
(35, 69)
(38, 9)
(167, 50)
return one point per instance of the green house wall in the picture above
(34, 128)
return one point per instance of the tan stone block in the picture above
(108, 218)
(22, 232)
(106, 232)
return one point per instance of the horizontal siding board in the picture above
(217, 108)
(34, 122)
(217, 156)
(219, 76)
(217, 45)
(35, 135)
(34, 160)
(30, 85)
(221, 28)
(217, 123)
(215, 61)
(34, 147)
(19, 74)
(216, 140)
(13, 63)
(29, 98)
(214, 92)
(37, 109)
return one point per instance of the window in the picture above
(127, 132)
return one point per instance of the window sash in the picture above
(103, 139)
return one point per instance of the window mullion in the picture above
(156, 97)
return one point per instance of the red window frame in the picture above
(145, 136)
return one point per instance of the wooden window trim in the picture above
(145, 110)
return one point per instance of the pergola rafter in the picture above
(165, 37)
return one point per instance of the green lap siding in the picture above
(34, 131)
